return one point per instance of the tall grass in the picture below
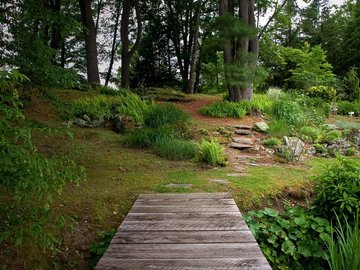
(212, 152)
(175, 149)
(160, 115)
(147, 137)
(344, 247)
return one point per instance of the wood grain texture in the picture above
(183, 231)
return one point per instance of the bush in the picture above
(175, 149)
(325, 92)
(311, 134)
(337, 190)
(165, 114)
(321, 149)
(28, 179)
(272, 142)
(274, 93)
(212, 152)
(293, 240)
(344, 107)
(102, 107)
(289, 112)
(351, 151)
(147, 137)
(344, 247)
(225, 109)
(279, 129)
(332, 136)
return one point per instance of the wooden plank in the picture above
(188, 264)
(207, 216)
(183, 251)
(184, 225)
(218, 195)
(184, 209)
(185, 202)
(180, 237)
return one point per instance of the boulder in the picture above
(294, 145)
(261, 127)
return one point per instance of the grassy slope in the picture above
(116, 175)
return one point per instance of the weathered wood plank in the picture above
(178, 225)
(184, 202)
(183, 251)
(184, 209)
(219, 195)
(180, 237)
(188, 264)
(207, 216)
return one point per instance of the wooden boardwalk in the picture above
(183, 231)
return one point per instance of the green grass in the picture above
(175, 149)
(165, 114)
(211, 152)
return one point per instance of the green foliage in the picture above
(344, 246)
(344, 107)
(98, 249)
(238, 109)
(175, 149)
(279, 129)
(316, 111)
(274, 93)
(332, 135)
(224, 109)
(293, 240)
(28, 179)
(337, 190)
(147, 137)
(351, 84)
(102, 107)
(326, 92)
(288, 112)
(165, 114)
(212, 152)
(351, 151)
(321, 149)
(311, 134)
(272, 142)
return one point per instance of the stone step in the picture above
(242, 140)
(240, 146)
(243, 132)
(243, 127)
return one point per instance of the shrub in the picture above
(274, 93)
(147, 137)
(351, 151)
(326, 92)
(337, 190)
(279, 129)
(344, 107)
(293, 240)
(28, 179)
(101, 107)
(212, 152)
(345, 125)
(311, 134)
(160, 115)
(321, 149)
(344, 247)
(332, 135)
(225, 109)
(289, 112)
(272, 142)
(175, 149)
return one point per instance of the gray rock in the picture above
(81, 123)
(98, 123)
(270, 152)
(86, 118)
(243, 132)
(236, 174)
(67, 124)
(330, 126)
(242, 140)
(121, 123)
(243, 127)
(294, 145)
(178, 185)
(240, 146)
(311, 150)
(261, 127)
(220, 181)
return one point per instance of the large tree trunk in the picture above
(194, 51)
(114, 43)
(126, 55)
(90, 42)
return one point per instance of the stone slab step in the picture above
(243, 127)
(243, 132)
(240, 146)
(242, 140)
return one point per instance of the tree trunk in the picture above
(90, 42)
(126, 55)
(194, 51)
(114, 44)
